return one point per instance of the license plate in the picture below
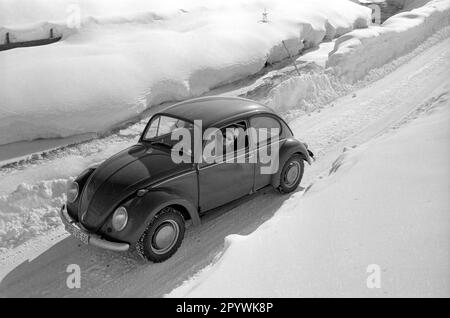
(78, 234)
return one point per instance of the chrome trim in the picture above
(250, 155)
(93, 239)
(156, 239)
(230, 160)
(172, 178)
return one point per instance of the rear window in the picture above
(267, 123)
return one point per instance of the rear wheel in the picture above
(163, 236)
(292, 174)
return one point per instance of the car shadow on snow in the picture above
(111, 274)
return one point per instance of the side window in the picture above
(164, 125)
(226, 142)
(235, 137)
(153, 129)
(266, 127)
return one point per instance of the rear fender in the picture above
(288, 148)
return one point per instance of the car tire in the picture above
(291, 174)
(163, 236)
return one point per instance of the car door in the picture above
(264, 145)
(226, 180)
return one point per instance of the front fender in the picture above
(141, 211)
(287, 149)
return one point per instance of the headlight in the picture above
(120, 219)
(72, 192)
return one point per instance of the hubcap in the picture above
(292, 174)
(165, 237)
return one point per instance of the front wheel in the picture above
(292, 174)
(163, 236)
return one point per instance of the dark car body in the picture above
(144, 179)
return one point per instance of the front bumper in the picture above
(82, 234)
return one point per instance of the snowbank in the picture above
(315, 87)
(117, 65)
(408, 5)
(362, 50)
(412, 4)
(384, 205)
(30, 211)
(16, 13)
(33, 190)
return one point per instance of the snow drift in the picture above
(33, 191)
(30, 211)
(117, 65)
(350, 62)
(383, 205)
(361, 50)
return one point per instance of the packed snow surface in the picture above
(382, 206)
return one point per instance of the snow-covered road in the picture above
(38, 267)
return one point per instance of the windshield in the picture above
(163, 126)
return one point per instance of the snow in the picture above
(295, 94)
(382, 203)
(15, 13)
(42, 202)
(405, 88)
(114, 44)
(412, 4)
(336, 67)
(361, 50)
(30, 199)
(117, 65)
(408, 5)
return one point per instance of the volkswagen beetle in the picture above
(142, 197)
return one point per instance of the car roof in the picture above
(215, 109)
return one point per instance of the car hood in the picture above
(119, 177)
